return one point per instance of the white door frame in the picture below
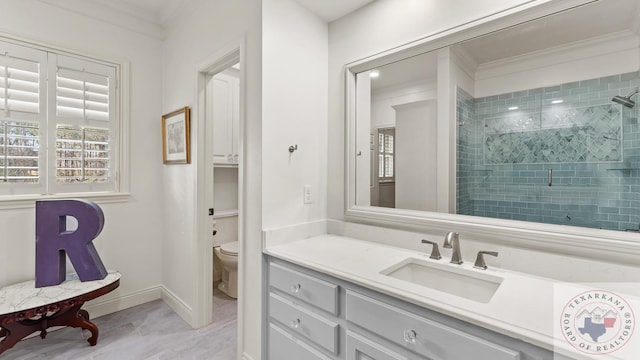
(203, 277)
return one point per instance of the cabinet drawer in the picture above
(423, 336)
(304, 322)
(360, 348)
(284, 346)
(319, 293)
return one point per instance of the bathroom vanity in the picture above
(333, 297)
(505, 101)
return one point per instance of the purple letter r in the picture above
(53, 240)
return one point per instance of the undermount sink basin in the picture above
(466, 283)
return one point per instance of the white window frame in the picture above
(23, 195)
(39, 56)
(385, 132)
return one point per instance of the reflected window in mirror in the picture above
(383, 189)
(385, 154)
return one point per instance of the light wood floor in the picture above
(151, 331)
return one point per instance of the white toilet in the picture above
(228, 255)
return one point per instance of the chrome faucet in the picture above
(452, 241)
(435, 253)
(480, 264)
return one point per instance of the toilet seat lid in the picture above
(230, 248)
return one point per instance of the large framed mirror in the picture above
(536, 122)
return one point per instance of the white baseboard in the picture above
(100, 308)
(245, 356)
(176, 304)
(97, 308)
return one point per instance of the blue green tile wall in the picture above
(506, 145)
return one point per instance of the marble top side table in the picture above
(25, 309)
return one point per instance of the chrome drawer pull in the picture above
(296, 288)
(295, 323)
(410, 336)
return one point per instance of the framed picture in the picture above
(175, 137)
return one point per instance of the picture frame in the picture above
(176, 142)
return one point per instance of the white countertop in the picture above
(26, 295)
(525, 307)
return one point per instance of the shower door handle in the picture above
(550, 177)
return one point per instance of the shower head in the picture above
(625, 100)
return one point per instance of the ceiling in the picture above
(160, 12)
(155, 11)
(155, 17)
(417, 68)
(568, 27)
(604, 17)
(330, 10)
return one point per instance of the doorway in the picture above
(220, 125)
(222, 111)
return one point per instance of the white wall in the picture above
(294, 107)
(366, 32)
(212, 27)
(225, 189)
(416, 163)
(364, 153)
(383, 101)
(227, 230)
(131, 239)
(383, 115)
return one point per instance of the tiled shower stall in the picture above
(564, 154)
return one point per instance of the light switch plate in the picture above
(308, 194)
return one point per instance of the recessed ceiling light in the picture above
(513, 108)
(557, 101)
(374, 74)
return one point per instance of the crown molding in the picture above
(118, 15)
(464, 60)
(606, 44)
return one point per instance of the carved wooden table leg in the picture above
(14, 333)
(72, 316)
(14, 326)
(76, 317)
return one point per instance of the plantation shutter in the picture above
(81, 95)
(85, 125)
(22, 84)
(22, 117)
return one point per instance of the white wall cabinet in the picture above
(314, 316)
(224, 109)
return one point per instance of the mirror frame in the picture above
(607, 245)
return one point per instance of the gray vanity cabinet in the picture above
(283, 345)
(420, 335)
(303, 315)
(311, 290)
(361, 348)
(312, 316)
(304, 322)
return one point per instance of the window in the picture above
(386, 148)
(19, 145)
(82, 155)
(58, 122)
